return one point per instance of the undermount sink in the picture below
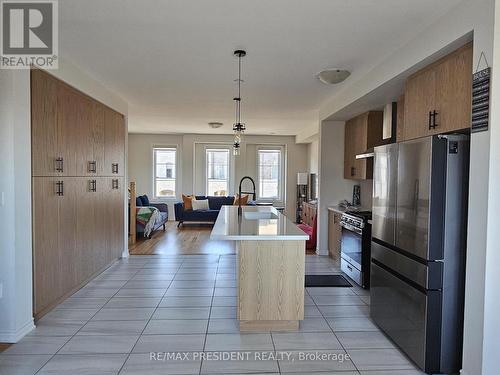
(259, 215)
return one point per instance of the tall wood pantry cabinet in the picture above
(78, 160)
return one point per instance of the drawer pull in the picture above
(93, 186)
(92, 168)
(114, 168)
(59, 164)
(60, 188)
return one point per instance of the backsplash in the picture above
(366, 193)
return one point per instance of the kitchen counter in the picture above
(270, 267)
(257, 223)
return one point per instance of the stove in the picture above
(356, 246)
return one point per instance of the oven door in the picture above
(351, 245)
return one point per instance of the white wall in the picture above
(76, 77)
(332, 185)
(313, 155)
(140, 162)
(491, 340)
(15, 211)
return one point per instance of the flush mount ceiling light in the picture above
(238, 126)
(333, 76)
(215, 125)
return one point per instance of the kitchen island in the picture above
(270, 269)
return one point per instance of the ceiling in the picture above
(172, 60)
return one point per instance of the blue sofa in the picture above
(203, 216)
(143, 201)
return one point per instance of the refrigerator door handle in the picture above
(415, 195)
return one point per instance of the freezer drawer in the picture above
(428, 276)
(410, 317)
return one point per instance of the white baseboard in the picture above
(12, 337)
(322, 252)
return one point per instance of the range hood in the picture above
(388, 129)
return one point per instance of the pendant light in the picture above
(238, 126)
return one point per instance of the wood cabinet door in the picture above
(400, 120)
(349, 148)
(454, 91)
(85, 229)
(114, 141)
(98, 142)
(331, 234)
(47, 286)
(85, 134)
(419, 101)
(114, 226)
(68, 122)
(66, 234)
(334, 234)
(44, 137)
(360, 146)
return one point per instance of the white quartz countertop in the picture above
(256, 223)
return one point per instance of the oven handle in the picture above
(351, 228)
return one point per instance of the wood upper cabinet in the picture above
(73, 134)
(114, 136)
(45, 150)
(362, 133)
(454, 91)
(438, 98)
(400, 119)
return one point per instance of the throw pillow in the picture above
(188, 202)
(145, 200)
(200, 204)
(244, 200)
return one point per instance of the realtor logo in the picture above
(29, 34)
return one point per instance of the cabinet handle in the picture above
(114, 168)
(114, 184)
(60, 188)
(349, 268)
(93, 186)
(59, 164)
(92, 168)
(432, 119)
(434, 115)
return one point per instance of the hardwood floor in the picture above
(187, 240)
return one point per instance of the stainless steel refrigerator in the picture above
(420, 190)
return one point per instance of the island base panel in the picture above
(270, 284)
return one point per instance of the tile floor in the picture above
(148, 304)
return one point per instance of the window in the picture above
(217, 171)
(164, 172)
(269, 174)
